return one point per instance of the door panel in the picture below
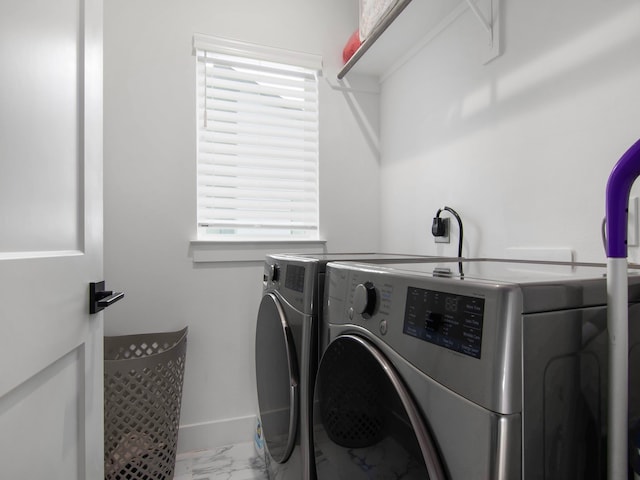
(36, 408)
(277, 379)
(50, 238)
(366, 425)
(40, 126)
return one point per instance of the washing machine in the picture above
(490, 369)
(286, 352)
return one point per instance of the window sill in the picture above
(209, 251)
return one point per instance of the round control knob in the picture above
(274, 273)
(364, 299)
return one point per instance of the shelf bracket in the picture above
(344, 86)
(492, 26)
(474, 8)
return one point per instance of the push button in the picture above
(433, 322)
(383, 327)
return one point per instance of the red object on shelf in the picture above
(353, 44)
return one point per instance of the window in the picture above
(257, 142)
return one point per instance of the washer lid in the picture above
(366, 425)
(277, 379)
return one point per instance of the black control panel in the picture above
(445, 319)
(294, 278)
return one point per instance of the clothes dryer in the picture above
(486, 370)
(286, 350)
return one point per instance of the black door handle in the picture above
(99, 298)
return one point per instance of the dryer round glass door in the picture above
(366, 424)
(277, 379)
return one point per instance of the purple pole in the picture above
(623, 175)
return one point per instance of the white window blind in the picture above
(257, 142)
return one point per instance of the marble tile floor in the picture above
(232, 462)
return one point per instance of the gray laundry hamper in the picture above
(143, 377)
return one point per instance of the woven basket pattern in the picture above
(142, 394)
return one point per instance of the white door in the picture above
(50, 239)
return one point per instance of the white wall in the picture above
(150, 205)
(522, 147)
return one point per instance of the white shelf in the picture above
(410, 25)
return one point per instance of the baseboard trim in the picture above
(211, 435)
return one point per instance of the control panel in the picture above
(293, 275)
(294, 278)
(444, 319)
(451, 321)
